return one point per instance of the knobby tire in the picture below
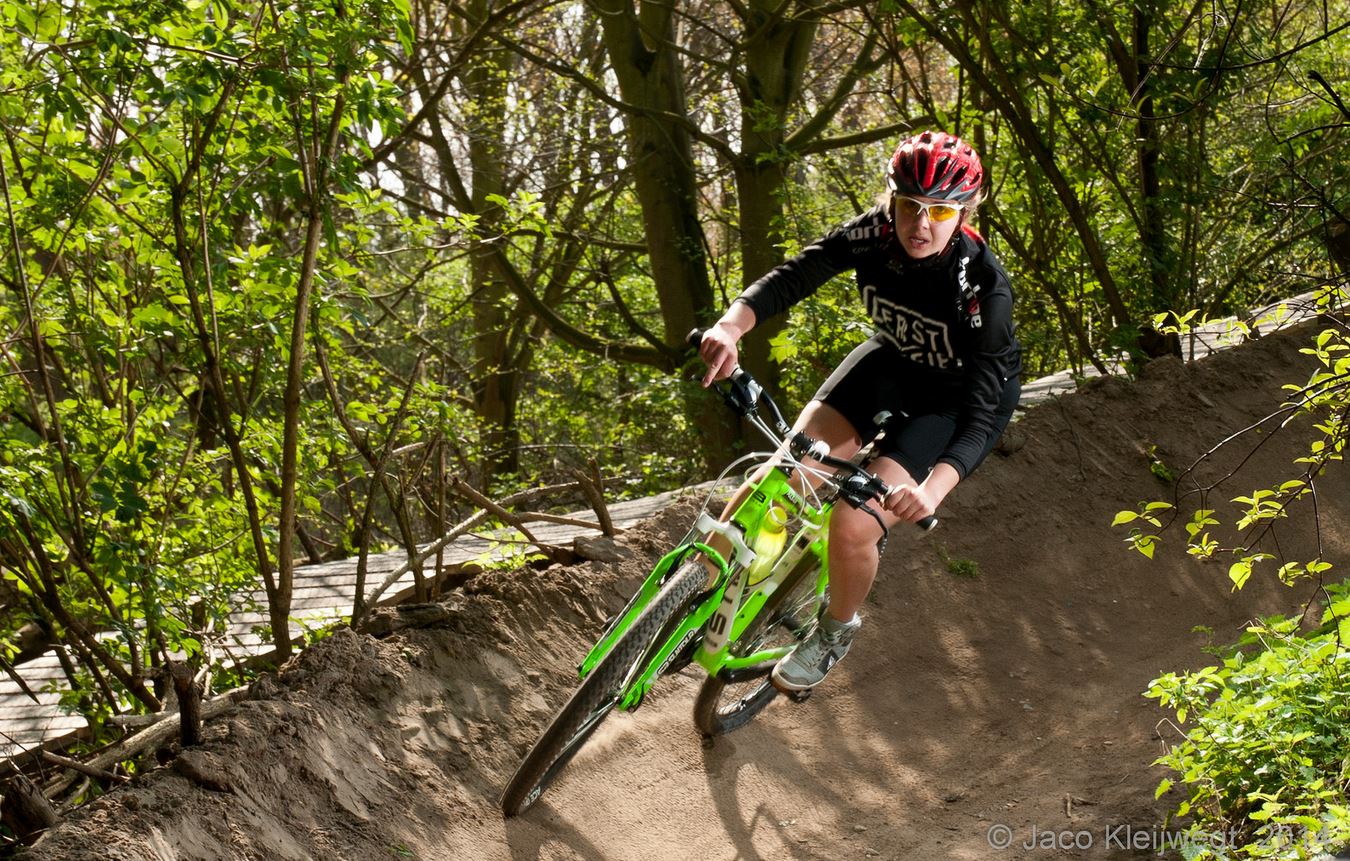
(599, 692)
(712, 716)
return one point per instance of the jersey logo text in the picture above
(968, 296)
(919, 338)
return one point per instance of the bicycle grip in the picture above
(927, 524)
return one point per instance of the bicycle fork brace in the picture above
(731, 532)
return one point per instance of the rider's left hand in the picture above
(911, 503)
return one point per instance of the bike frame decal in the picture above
(688, 638)
(692, 623)
(807, 541)
(719, 626)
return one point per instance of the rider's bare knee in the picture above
(853, 532)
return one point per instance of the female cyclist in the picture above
(944, 357)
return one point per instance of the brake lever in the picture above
(743, 393)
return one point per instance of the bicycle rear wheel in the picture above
(729, 701)
(599, 692)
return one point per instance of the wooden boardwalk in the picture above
(324, 593)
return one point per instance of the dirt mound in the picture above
(1006, 700)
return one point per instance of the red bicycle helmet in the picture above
(936, 164)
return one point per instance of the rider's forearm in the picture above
(740, 317)
(941, 480)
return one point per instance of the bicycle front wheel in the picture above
(599, 692)
(727, 702)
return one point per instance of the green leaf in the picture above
(49, 21)
(25, 17)
(18, 503)
(782, 348)
(1146, 544)
(403, 25)
(51, 327)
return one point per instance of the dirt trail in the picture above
(1008, 699)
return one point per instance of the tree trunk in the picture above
(1148, 153)
(189, 703)
(1338, 244)
(279, 603)
(493, 381)
(760, 188)
(645, 60)
(777, 49)
(1157, 249)
(642, 53)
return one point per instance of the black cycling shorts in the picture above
(924, 413)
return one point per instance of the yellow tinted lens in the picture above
(942, 212)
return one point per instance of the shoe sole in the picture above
(797, 696)
(785, 687)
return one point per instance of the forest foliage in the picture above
(276, 278)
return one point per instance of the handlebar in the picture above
(744, 395)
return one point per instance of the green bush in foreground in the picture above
(1266, 755)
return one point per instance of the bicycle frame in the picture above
(774, 575)
(723, 614)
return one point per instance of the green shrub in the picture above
(1266, 754)
(958, 566)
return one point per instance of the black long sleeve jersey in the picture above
(948, 320)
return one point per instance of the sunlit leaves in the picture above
(1259, 753)
(1240, 571)
(1142, 539)
(155, 180)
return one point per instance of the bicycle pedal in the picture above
(798, 696)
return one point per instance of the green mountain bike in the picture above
(764, 597)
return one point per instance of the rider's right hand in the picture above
(718, 350)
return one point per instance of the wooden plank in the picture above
(322, 592)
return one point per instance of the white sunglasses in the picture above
(936, 211)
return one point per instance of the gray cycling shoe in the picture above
(806, 665)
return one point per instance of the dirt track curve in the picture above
(1009, 699)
